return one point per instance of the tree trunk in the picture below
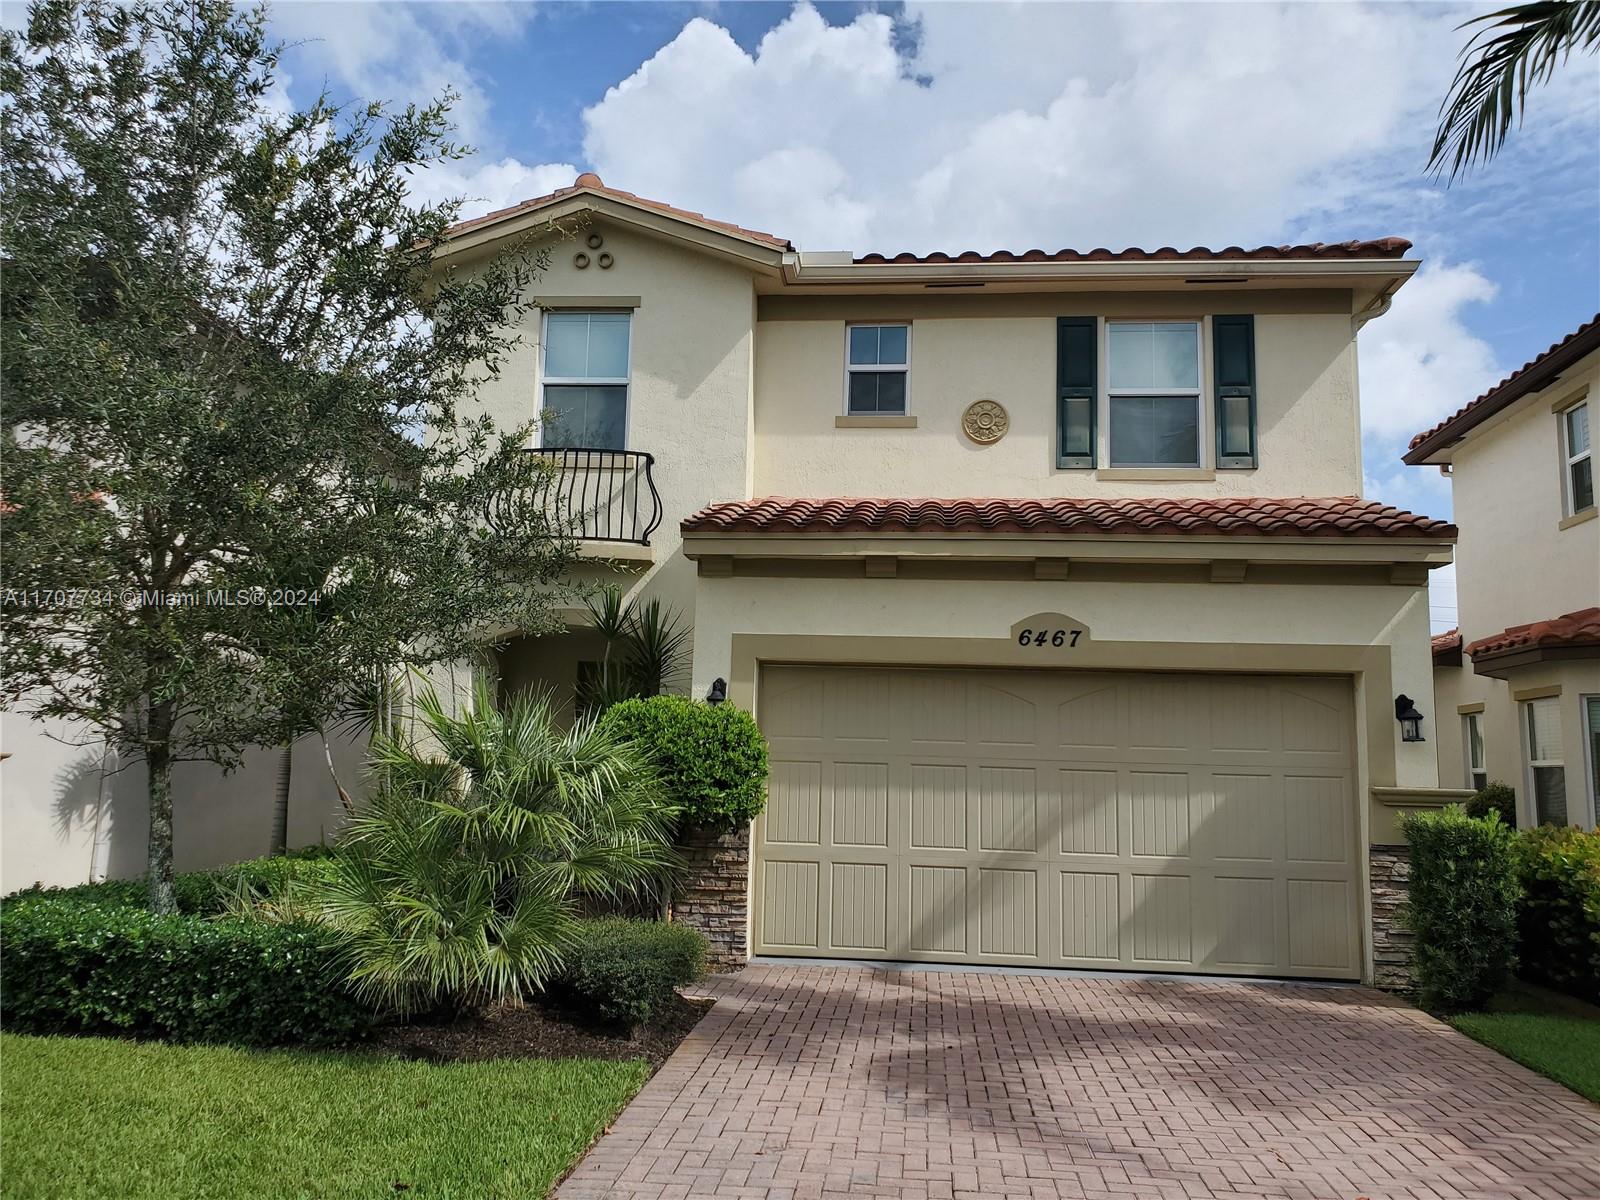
(158, 756)
(280, 800)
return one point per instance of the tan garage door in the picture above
(1101, 820)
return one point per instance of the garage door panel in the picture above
(1008, 913)
(1246, 818)
(938, 806)
(790, 912)
(794, 803)
(1229, 847)
(939, 910)
(1320, 936)
(860, 804)
(1088, 807)
(1316, 818)
(1246, 922)
(1091, 719)
(859, 907)
(1158, 804)
(1090, 916)
(1160, 920)
(1008, 808)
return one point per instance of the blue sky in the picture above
(965, 125)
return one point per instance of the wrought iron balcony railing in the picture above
(596, 495)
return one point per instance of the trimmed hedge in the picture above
(1495, 798)
(201, 893)
(712, 757)
(1558, 918)
(1461, 906)
(627, 971)
(76, 965)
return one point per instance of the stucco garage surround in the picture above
(1240, 666)
(1064, 818)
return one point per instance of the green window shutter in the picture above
(1077, 397)
(1234, 355)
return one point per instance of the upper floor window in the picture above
(1153, 387)
(1472, 734)
(1579, 458)
(586, 379)
(1136, 396)
(1547, 774)
(877, 369)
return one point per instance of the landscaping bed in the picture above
(538, 1031)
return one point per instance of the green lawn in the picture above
(1556, 1035)
(92, 1117)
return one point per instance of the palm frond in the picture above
(1514, 50)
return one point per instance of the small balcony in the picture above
(595, 495)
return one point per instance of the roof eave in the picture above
(702, 234)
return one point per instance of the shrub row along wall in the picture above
(78, 966)
(1478, 899)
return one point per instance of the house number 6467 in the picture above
(1049, 637)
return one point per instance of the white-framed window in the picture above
(1153, 393)
(1578, 458)
(1591, 720)
(877, 375)
(585, 379)
(1472, 743)
(1547, 774)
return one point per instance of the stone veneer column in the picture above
(712, 894)
(1391, 941)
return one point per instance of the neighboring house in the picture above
(1045, 574)
(1518, 683)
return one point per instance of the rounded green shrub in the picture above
(627, 971)
(1495, 797)
(711, 757)
(1558, 919)
(1462, 906)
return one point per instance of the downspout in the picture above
(1381, 304)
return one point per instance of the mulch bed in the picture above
(536, 1031)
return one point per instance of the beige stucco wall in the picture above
(69, 812)
(689, 397)
(1514, 562)
(1376, 635)
(965, 348)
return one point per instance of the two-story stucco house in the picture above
(1518, 683)
(1046, 575)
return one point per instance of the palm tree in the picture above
(1515, 49)
(459, 883)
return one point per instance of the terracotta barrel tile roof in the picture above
(1581, 628)
(1389, 247)
(1530, 376)
(1447, 648)
(1339, 516)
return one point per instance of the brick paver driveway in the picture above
(833, 1081)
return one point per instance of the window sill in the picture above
(866, 421)
(1156, 474)
(1579, 517)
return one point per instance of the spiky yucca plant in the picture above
(456, 885)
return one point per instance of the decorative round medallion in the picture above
(985, 422)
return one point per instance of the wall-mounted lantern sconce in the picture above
(718, 692)
(1405, 711)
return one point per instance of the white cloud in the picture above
(1044, 125)
(1420, 362)
(484, 186)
